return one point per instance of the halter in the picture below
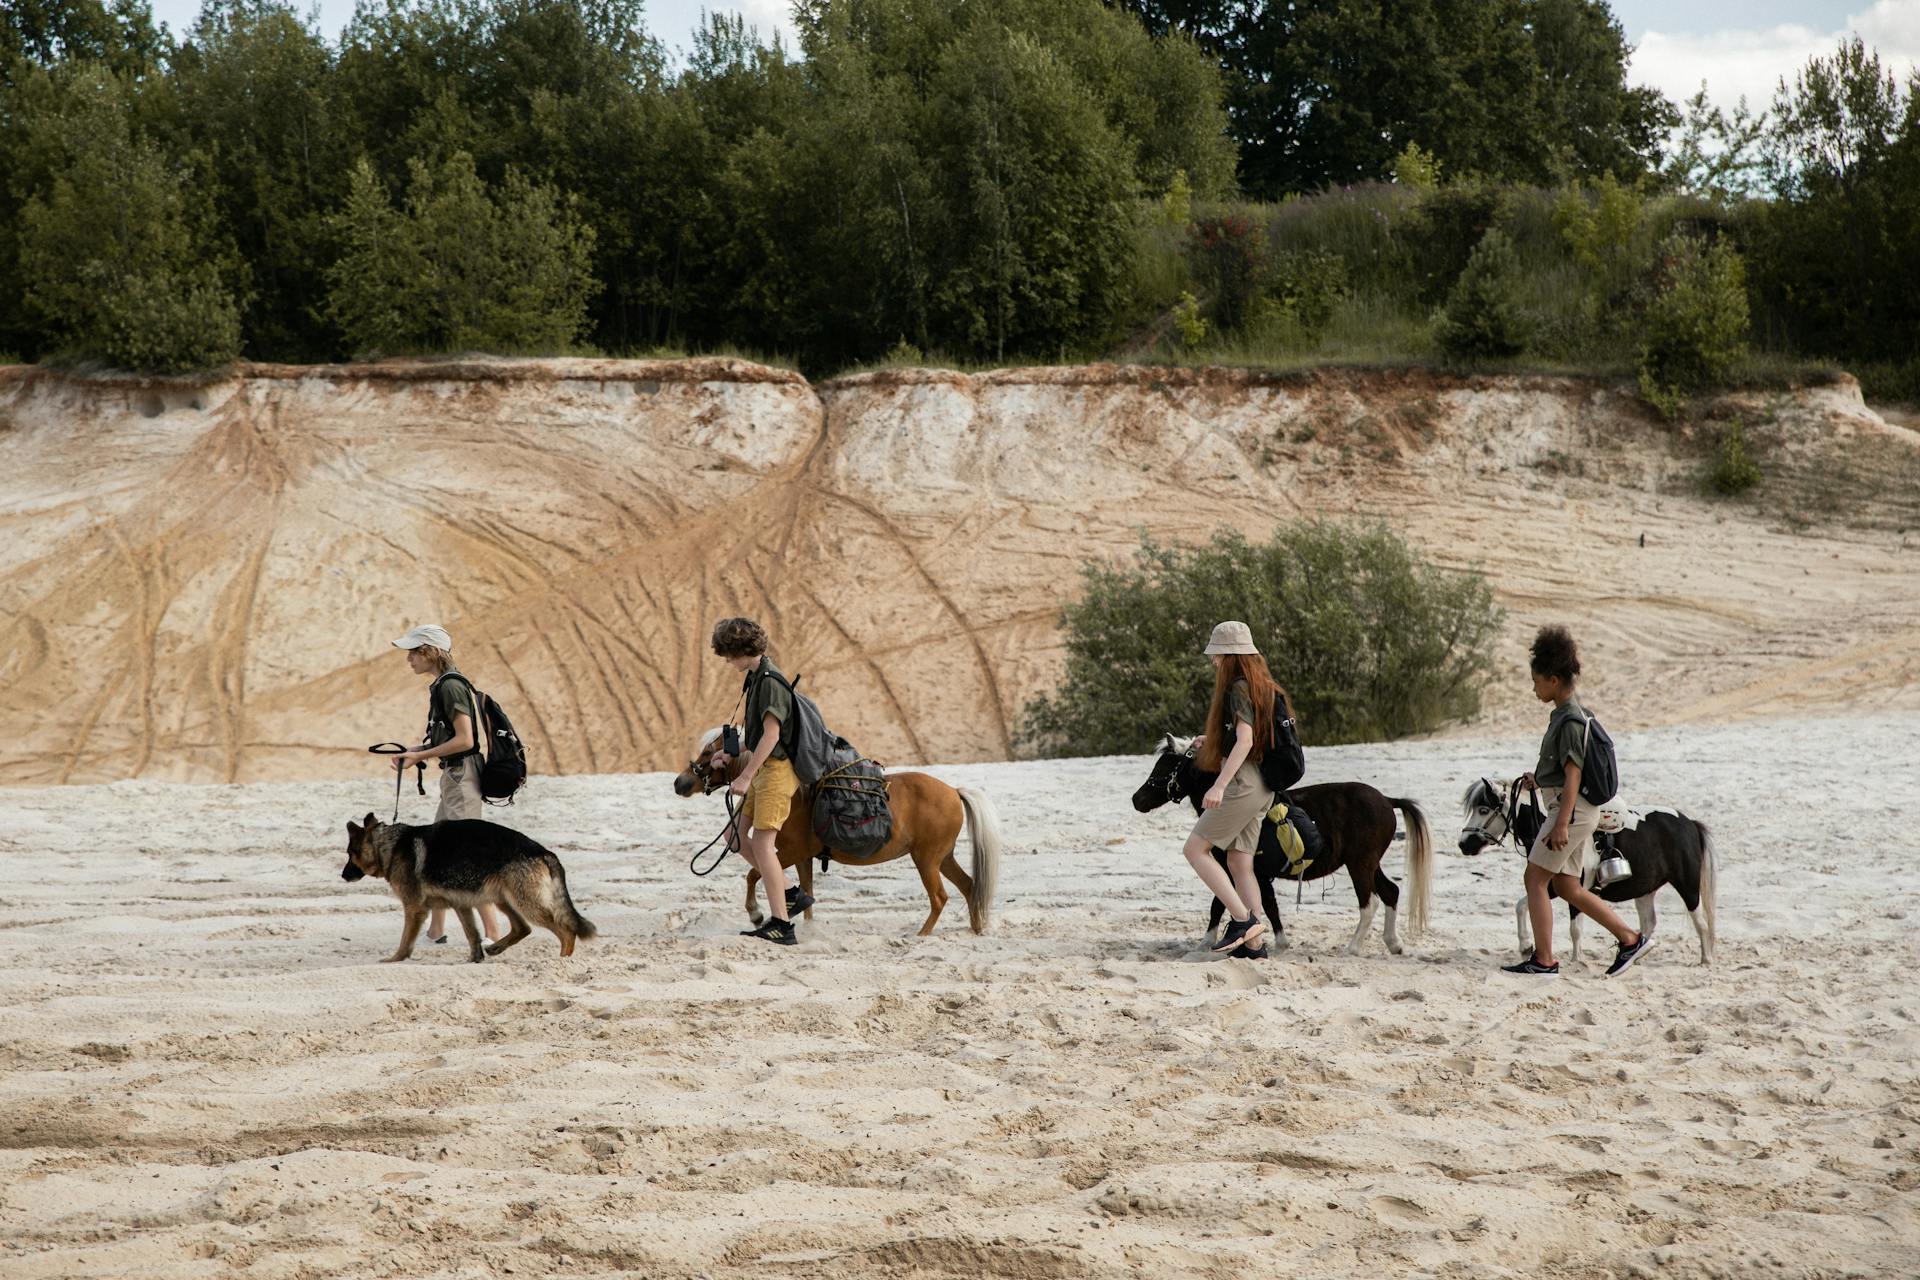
(709, 782)
(1510, 813)
(1172, 784)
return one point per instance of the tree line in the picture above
(992, 181)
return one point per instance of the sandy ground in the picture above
(207, 1074)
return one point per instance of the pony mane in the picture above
(706, 739)
(1495, 799)
(1171, 745)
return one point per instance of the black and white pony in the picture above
(1355, 820)
(1665, 848)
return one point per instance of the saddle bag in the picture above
(851, 816)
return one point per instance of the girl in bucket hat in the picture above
(1239, 725)
(453, 740)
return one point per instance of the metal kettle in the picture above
(1613, 867)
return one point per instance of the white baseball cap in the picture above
(426, 633)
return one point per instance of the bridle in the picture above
(1171, 784)
(710, 782)
(1509, 813)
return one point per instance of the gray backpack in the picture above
(851, 815)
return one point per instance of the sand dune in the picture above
(207, 1075)
(198, 582)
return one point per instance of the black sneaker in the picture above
(780, 931)
(1624, 958)
(798, 900)
(1532, 968)
(1244, 952)
(1241, 933)
(437, 941)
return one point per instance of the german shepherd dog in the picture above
(462, 865)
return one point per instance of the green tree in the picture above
(1370, 641)
(256, 95)
(117, 255)
(460, 267)
(1483, 316)
(1329, 92)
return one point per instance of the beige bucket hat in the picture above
(1231, 637)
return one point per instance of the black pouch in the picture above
(730, 741)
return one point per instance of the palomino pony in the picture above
(1667, 848)
(927, 818)
(1357, 822)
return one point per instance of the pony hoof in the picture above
(756, 918)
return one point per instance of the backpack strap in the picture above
(479, 716)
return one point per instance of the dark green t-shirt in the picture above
(1239, 707)
(449, 698)
(767, 694)
(1564, 743)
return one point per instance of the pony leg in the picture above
(1272, 905)
(805, 868)
(1520, 924)
(950, 868)
(1366, 924)
(1573, 932)
(1389, 894)
(753, 899)
(936, 892)
(1214, 912)
(1644, 906)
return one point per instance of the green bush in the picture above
(1734, 471)
(1443, 233)
(1695, 324)
(1483, 316)
(1370, 640)
(1302, 289)
(1227, 254)
(1362, 226)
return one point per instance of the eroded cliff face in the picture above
(199, 582)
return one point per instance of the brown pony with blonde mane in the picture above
(927, 818)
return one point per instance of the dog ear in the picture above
(371, 821)
(353, 830)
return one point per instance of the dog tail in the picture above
(1419, 866)
(563, 902)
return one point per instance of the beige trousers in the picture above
(460, 791)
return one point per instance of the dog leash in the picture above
(420, 779)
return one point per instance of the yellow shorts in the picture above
(770, 796)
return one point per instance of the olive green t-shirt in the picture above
(450, 698)
(1565, 742)
(767, 694)
(1239, 707)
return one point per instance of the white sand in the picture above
(208, 1075)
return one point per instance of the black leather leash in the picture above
(420, 767)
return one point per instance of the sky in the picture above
(1739, 47)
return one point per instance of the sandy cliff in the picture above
(198, 582)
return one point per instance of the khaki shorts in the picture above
(770, 796)
(1236, 823)
(1573, 858)
(460, 792)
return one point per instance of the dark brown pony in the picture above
(927, 818)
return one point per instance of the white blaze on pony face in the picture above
(1485, 808)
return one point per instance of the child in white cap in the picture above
(451, 739)
(1239, 726)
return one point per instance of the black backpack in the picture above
(1285, 760)
(1600, 775)
(503, 757)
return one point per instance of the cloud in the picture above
(1739, 62)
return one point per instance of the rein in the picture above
(725, 833)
